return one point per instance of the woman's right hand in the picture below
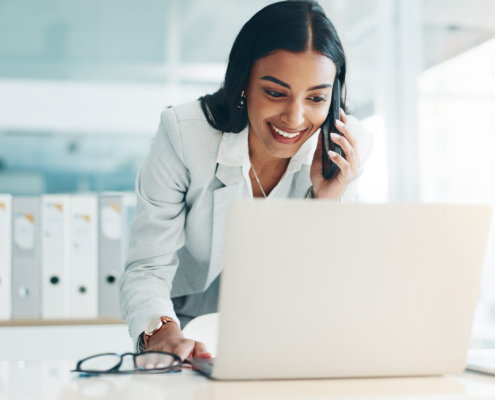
(170, 339)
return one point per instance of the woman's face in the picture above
(289, 92)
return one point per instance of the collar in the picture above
(234, 150)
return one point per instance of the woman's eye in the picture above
(274, 94)
(278, 95)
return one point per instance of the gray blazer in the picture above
(182, 197)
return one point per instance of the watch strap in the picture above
(140, 343)
(147, 333)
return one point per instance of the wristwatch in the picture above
(154, 327)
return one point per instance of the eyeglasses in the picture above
(154, 362)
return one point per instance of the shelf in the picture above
(53, 322)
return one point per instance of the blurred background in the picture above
(82, 85)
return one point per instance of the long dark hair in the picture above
(283, 25)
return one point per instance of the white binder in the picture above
(26, 257)
(116, 209)
(84, 256)
(55, 259)
(5, 256)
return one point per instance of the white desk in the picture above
(52, 380)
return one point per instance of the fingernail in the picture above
(341, 109)
(334, 135)
(332, 153)
(339, 123)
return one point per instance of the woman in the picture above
(258, 136)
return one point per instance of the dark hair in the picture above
(284, 25)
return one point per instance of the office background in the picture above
(82, 85)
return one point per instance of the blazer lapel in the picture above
(232, 178)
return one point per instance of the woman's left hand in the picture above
(349, 166)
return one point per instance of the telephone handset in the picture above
(329, 167)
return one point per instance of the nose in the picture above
(293, 114)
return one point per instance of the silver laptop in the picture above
(319, 289)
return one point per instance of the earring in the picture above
(242, 101)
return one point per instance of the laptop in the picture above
(320, 289)
(481, 360)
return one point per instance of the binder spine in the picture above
(55, 240)
(111, 237)
(5, 256)
(26, 257)
(84, 256)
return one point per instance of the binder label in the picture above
(82, 232)
(54, 221)
(3, 220)
(111, 221)
(24, 231)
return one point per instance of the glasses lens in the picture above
(127, 364)
(155, 360)
(100, 363)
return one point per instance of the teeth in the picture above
(284, 134)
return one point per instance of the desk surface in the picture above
(53, 380)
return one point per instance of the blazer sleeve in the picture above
(157, 230)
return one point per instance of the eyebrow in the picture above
(279, 82)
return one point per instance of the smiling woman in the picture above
(257, 136)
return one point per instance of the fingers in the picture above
(346, 143)
(183, 348)
(154, 360)
(344, 165)
(148, 360)
(343, 117)
(345, 130)
(349, 152)
(141, 361)
(201, 351)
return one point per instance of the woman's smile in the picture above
(285, 137)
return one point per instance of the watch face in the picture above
(157, 323)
